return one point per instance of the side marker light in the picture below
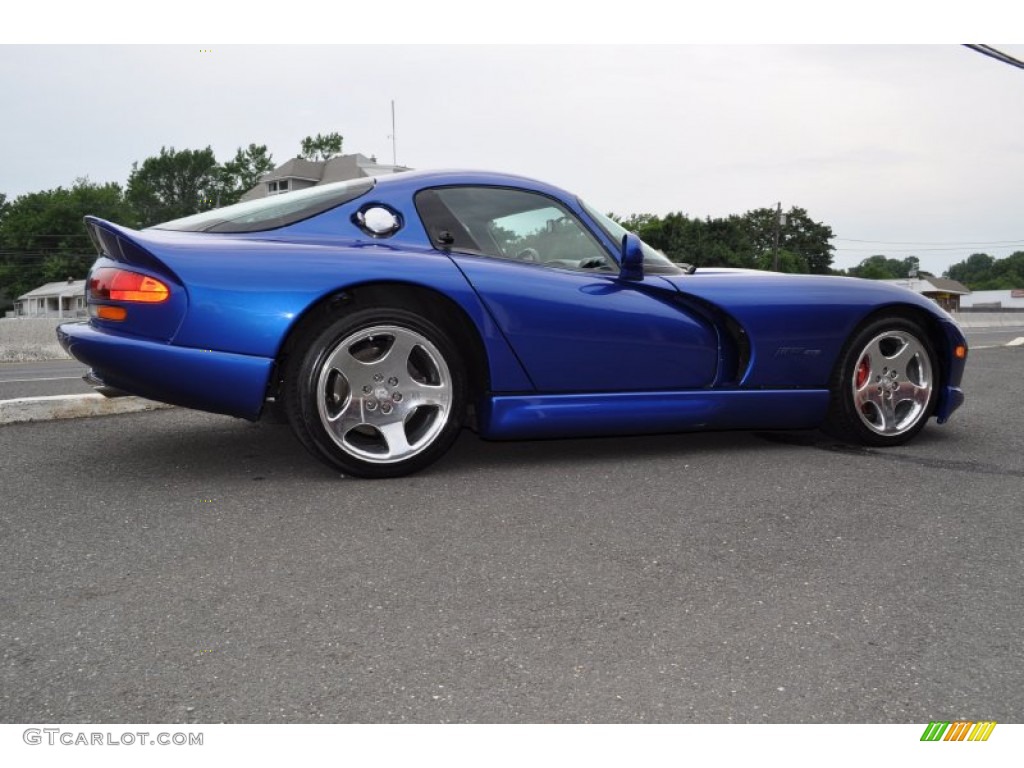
(111, 313)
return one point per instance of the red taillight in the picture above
(121, 285)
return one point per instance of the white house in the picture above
(60, 300)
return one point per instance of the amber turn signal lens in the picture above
(960, 351)
(111, 313)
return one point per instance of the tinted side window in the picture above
(278, 210)
(510, 224)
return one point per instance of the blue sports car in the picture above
(383, 315)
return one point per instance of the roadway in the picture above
(36, 379)
(181, 567)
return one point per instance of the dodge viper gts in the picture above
(380, 316)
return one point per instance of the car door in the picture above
(555, 292)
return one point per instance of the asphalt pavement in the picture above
(175, 566)
(44, 378)
(993, 337)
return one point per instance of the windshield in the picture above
(655, 262)
(273, 211)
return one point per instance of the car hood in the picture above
(728, 285)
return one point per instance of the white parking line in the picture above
(1019, 341)
(52, 378)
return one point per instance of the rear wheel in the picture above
(885, 386)
(376, 393)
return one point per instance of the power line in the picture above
(992, 53)
(933, 242)
(914, 250)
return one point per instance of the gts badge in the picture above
(796, 352)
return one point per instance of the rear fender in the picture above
(118, 249)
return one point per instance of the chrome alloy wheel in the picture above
(892, 383)
(384, 394)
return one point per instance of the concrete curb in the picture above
(988, 319)
(71, 407)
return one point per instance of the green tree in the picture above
(174, 184)
(6, 301)
(1009, 272)
(881, 267)
(711, 242)
(746, 241)
(42, 237)
(322, 146)
(981, 272)
(672, 235)
(789, 261)
(727, 242)
(242, 173)
(877, 267)
(975, 269)
(806, 240)
(62, 266)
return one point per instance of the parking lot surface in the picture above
(43, 378)
(180, 567)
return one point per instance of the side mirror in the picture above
(631, 261)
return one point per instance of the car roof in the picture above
(455, 177)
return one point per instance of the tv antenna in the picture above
(394, 149)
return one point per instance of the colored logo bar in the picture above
(960, 730)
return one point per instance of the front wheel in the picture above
(885, 386)
(377, 393)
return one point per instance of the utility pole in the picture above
(912, 272)
(778, 226)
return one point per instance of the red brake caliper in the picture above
(863, 371)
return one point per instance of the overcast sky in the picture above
(921, 146)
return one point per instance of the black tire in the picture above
(885, 385)
(379, 392)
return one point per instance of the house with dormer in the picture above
(299, 173)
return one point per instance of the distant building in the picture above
(60, 300)
(943, 291)
(300, 174)
(1009, 299)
